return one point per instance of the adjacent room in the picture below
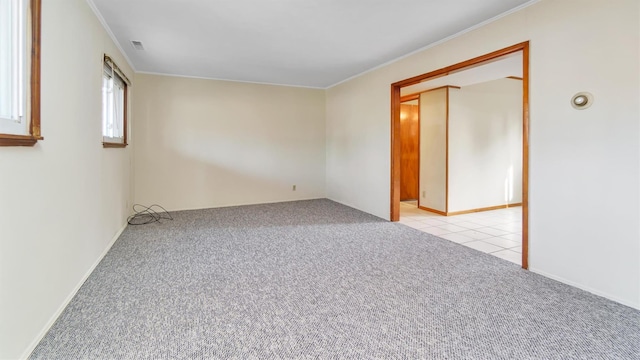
(461, 170)
(266, 139)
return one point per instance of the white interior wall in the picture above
(485, 145)
(208, 143)
(62, 202)
(433, 150)
(584, 165)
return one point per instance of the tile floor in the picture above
(497, 232)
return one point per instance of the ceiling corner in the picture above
(106, 27)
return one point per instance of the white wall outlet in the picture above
(424, 193)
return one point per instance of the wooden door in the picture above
(410, 147)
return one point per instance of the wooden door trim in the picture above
(409, 98)
(419, 147)
(395, 131)
(462, 65)
(525, 155)
(395, 153)
(446, 151)
(426, 91)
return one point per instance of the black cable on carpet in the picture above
(147, 214)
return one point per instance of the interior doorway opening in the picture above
(439, 182)
(410, 148)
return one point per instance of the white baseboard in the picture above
(386, 217)
(66, 302)
(588, 289)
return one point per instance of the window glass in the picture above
(20, 72)
(114, 91)
(12, 67)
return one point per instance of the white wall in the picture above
(433, 150)
(63, 201)
(485, 145)
(207, 143)
(584, 165)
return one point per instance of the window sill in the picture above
(19, 140)
(113, 145)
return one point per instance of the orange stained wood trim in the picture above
(108, 145)
(409, 97)
(395, 153)
(434, 89)
(36, 10)
(18, 140)
(441, 87)
(514, 77)
(462, 65)
(505, 206)
(34, 83)
(446, 152)
(419, 147)
(525, 155)
(477, 61)
(126, 115)
(432, 210)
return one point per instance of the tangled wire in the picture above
(147, 214)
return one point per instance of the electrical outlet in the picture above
(424, 193)
(294, 188)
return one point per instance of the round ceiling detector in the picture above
(581, 100)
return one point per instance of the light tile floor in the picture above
(497, 232)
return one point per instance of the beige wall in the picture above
(208, 143)
(584, 165)
(63, 201)
(433, 150)
(485, 145)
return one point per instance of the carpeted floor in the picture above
(316, 279)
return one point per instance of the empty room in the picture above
(221, 179)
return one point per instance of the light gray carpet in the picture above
(316, 279)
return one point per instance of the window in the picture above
(19, 72)
(114, 105)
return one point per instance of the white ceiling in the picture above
(291, 42)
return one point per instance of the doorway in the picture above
(396, 144)
(410, 148)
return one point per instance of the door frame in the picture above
(395, 131)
